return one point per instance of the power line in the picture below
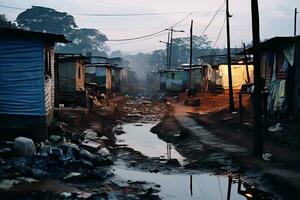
(133, 14)
(212, 19)
(12, 7)
(216, 41)
(152, 34)
(140, 40)
(120, 14)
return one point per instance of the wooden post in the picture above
(191, 55)
(168, 49)
(231, 100)
(246, 63)
(229, 187)
(295, 22)
(258, 130)
(191, 184)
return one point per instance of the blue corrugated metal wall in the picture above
(21, 77)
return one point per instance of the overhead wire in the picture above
(148, 36)
(152, 34)
(220, 32)
(133, 14)
(140, 40)
(12, 7)
(121, 14)
(212, 19)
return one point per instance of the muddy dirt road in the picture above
(133, 163)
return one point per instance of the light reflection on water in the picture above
(141, 139)
(185, 186)
(178, 186)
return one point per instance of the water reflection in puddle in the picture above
(139, 137)
(179, 186)
(185, 186)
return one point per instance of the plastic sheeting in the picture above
(21, 77)
(239, 75)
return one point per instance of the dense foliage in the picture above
(48, 20)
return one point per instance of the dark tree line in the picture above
(48, 20)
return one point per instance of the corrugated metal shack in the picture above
(177, 79)
(70, 84)
(100, 74)
(280, 71)
(26, 82)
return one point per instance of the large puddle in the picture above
(179, 186)
(139, 138)
(189, 186)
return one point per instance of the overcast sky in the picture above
(276, 18)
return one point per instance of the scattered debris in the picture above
(266, 156)
(24, 147)
(66, 194)
(72, 175)
(7, 184)
(91, 145)
(276, 128)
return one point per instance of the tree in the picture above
(158, 58)
(44, 19)
(85, 40)
(4, 22)
(180, 49)
(48, 20)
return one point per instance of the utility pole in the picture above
(171, 43)
(229, 187)
(168, 49)
(168, 46)
(258, 130)
(246, 63)
(231, 102)
(191, 55)
(295, 22)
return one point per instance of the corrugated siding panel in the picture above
(48, 95)
(21, 77)
(67, 72)
(67, 83)
(49, 84)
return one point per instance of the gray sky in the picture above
(276, 19)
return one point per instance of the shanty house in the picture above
(199, 77)
(162, 79)
(101, 75)
(70, 84)
(238, 74)
(174, 80)
(26, 82)
(280, 71)
(116, 78)
(119, 73)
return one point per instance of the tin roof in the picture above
(20, 33)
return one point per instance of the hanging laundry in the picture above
(285, 65)
(289, 53)
(280, 97)
(280, 75)
(273, 90)
(273, 77)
